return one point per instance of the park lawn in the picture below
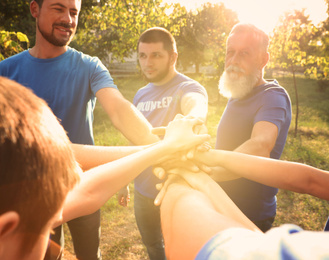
(120, 237)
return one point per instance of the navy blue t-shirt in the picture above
(160, 105)
(268, 102)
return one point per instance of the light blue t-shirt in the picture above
(160, 105)
(286, 242)
(68, 83)
(268, 102)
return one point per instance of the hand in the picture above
(124, 196)
(197, 180)
(199, 129)
(178, 162)
(179, 134)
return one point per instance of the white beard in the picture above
(233, 86)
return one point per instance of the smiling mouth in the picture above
(63, 30)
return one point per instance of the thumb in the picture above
(159, 130)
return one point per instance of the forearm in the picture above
(126, 117)
(89, 156)
(190, 216)
(254, 147)
(100, 183)
(133, 125)
(276, 173)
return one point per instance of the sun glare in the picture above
(264, 13)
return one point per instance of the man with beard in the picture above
(168, 93)
(70, 81)
(256, 120)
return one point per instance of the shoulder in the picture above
(145, 91)
(73, 53)
(273, 92)
(274, 87)
(188, 84)
(92, 62)
(15, 57)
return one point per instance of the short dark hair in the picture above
(39, 2)
(37, 164)
(159, 34)
(256, 32)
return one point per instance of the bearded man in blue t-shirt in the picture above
(70, 81)
(168, 93)
(256, 120)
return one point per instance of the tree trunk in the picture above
(296, 96)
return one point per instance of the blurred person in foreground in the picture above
(199, 220)
(71, 82)
(40, 186)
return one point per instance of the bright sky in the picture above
(264, 13)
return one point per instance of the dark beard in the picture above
(50, 37)
(158, 78)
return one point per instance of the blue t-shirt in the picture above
(268, 102)
(160, 105)
(285, 242)
(68, 83)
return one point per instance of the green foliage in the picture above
(11, 43)
(114, 27)
(15, 16)
(202, 40)
(292, 41)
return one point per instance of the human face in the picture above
(57, 21)
(231, 85)
(243, 66)
(155, 62)
(244, 52)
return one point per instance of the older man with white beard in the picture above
(256, 120)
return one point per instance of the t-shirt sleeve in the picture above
(101, 77)
(275, 107)
(194, 87)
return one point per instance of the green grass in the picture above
(120, 237)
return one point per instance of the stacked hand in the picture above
(182, 163)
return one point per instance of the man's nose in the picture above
(67, 18)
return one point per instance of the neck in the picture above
(45, 50)
(261, 82)
(10, 249)
(171, 74)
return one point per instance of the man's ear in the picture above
(8, 223)
(173, 58)
(265, 59)
(34, 9)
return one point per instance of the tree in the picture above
(15, 16)
(105, 26)
(115, 26)
(202, 40)
(11, 43)
(291, 46)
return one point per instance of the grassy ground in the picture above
(120, 237)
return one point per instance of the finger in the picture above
(205, 168)
(190, 153)
(205, 147)
(161, 194)
(199, 139)
(159, 172)
(178, 116)
(159, 186)
(159, 130)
